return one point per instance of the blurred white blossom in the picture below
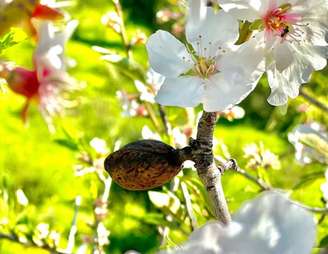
(48, 83)
(103, 234)
(42, 230)
(310, 142)
(112, 20)
(130, 105)
(50, 67)
(179, 137)
(21, 197)
(147, 133)
(145, 92)
(99, 145)
(154, 81)
(258, 156)
(269, 224)
(233, 113)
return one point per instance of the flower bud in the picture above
(143, 165)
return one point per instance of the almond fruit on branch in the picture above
(147, 164)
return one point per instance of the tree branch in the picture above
(202, 155)
(123, 34)
(232, 164)
(164, 120)
(313, 100)
(15, 239)
(311, 209)
(73, 229)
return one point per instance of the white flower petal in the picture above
(278, 84)
(50, 38)
(216, 29)
(247, 61)
(240, 71)
(197, 11)
(221, 94)
(316, 33)
(185, 91)
(167, 55)
(241, 9)
(283, 56)
(269, 224)
(313, 55)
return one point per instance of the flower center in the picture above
(280, 21)
(205, 67)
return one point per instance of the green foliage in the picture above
(13, 37)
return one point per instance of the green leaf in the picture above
(13, 37)
(68, 144)
(324, 242)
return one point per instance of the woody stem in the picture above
(210, 175)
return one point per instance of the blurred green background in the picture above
(43, 164)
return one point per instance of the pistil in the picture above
(205, 67)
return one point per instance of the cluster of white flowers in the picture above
(287, 42)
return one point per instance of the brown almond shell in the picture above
(143, 165)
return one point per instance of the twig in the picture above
(152, 115)
(165, 122)
(202, 155)
(73, 230)
(15, 239)
(123, 34)
(190, 212)
(232, 164)
(318, 210)
(313, 100)
(100, 211)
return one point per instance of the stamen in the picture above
(280, 22)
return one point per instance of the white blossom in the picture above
(206, 70)
(50, 67)
(310, 142)
(269, 224)
(21, 197)
(130, 105)
(146, 94)
(147, 133)
(147, 91)
(103, 234)
(99, 145)
(292, 36)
